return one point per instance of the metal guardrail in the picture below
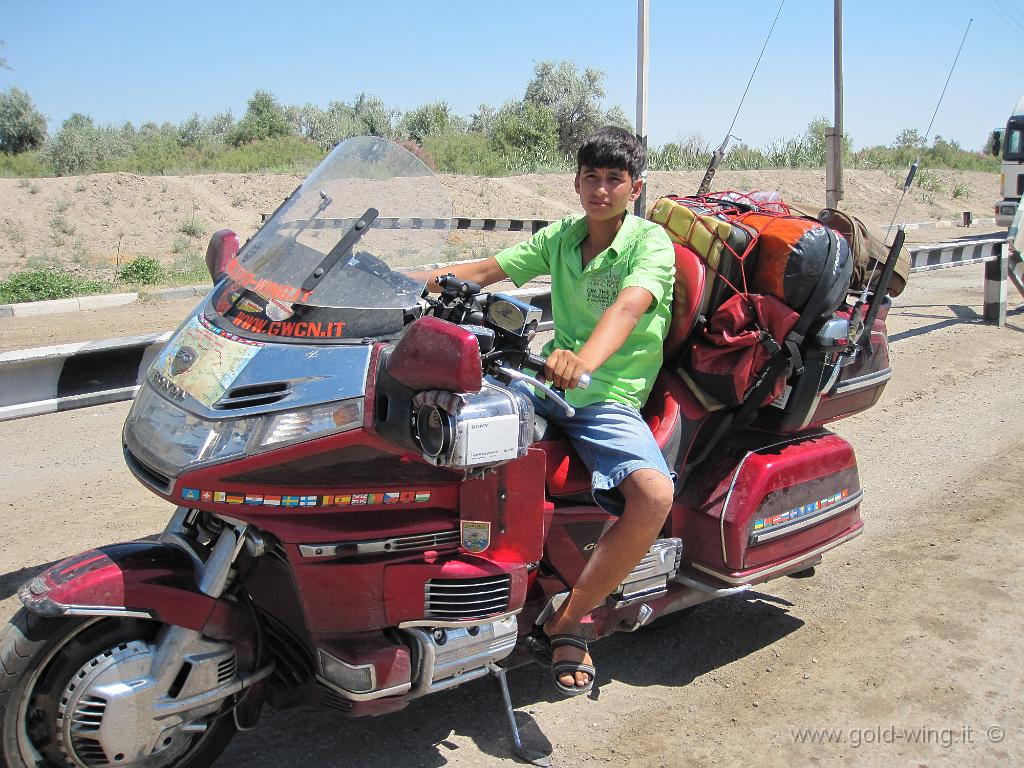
(70, 376)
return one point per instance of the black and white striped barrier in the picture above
(943, 255)
(992, 252)
(70, 376)
(482, 225)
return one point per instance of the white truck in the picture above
(1008, 143)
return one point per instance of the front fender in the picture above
(145, 579)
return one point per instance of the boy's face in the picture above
(605, 193)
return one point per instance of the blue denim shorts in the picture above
(611, 439)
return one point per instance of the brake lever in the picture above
(537, 363)
(512, 375)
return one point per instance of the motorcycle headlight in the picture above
(170, 439)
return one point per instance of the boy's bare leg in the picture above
(648, 496)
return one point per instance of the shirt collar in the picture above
(622, 237)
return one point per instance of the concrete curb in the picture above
(76, 304)
(97, 301)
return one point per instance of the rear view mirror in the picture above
(222, 248)
(997, 141)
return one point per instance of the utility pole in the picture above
(834, 135)
(642, 15)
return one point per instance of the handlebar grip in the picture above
(537, 363)
(534, 362)
(451, 283)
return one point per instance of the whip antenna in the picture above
(883, 283)
(917, 162)
(719, 154)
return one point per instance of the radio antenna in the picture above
(917, 162)
(719, 154)
(883, 283)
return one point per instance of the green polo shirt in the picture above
(640, 255)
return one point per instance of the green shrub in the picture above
(24, 164)
(189, 269)
(42, 283)
(689, 154)
(80, 146)
(524, 133)
(142, 270)
(465, 153)
(285, 154)
(61, 225)
(22, 126)
(434, 119)
(928, 181)
(192, 228)
(264, 119)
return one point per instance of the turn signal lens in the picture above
(296, 426)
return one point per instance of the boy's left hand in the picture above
(564, 369)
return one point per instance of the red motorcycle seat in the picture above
(671, 411)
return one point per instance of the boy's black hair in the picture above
(613, 147)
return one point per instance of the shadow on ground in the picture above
(962, 315)
(674, 651)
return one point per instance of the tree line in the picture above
(539, 132)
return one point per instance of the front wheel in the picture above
(93, 692)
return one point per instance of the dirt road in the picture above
(901, 651)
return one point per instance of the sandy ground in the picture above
(903, 647)
(91, 224)
(902, 650)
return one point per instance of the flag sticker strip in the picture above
(790, 515)
(306, 500)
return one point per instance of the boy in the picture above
(611, 287)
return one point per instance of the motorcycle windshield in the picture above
(327, 265)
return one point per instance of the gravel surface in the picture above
(902, 650)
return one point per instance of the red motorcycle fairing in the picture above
(139, 578)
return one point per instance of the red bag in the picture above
(741, 337)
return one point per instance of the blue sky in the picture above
(140, 61)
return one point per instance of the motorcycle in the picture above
(365, 511)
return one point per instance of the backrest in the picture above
(687, 297)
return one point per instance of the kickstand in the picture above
(530, 756)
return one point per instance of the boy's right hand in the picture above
(564, 369)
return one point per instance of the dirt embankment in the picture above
(90, 224)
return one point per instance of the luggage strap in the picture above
(785, 358)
